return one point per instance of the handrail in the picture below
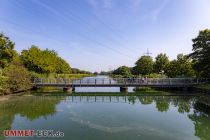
(120, 81)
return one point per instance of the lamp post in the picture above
(162, 72)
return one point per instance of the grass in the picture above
(145, 89)
(72, 76)
(50, 89)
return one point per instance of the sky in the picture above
(101, 35)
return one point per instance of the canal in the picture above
(110, 117)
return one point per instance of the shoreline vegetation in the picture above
(18, 70)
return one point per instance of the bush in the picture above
(3, 85)
(18, 78)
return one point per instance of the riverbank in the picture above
(203, 87)
(9, 96)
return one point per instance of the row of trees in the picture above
(145, 66)
(14, 77)
(195, 64)
(17, 70)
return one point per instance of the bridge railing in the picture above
(122, 81)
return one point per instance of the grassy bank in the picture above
(72, 76)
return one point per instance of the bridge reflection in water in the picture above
(91, 99)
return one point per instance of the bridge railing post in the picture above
(95, 82)
(125, 80)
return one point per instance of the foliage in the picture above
(144, 66)
(71, 76)
(44, 61)
(201, 51)
(18, 77)
(3, 84)
(155, 75)
(105, 73)
(182, 67)
(78, 71)
(162, 104)
(200, 118)
(35, 75)
(29, 107)
(203, 86)
(161, 62)
(172, 69)
(7, 52)
(124, 71)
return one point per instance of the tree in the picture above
(44, 61)
(7, 52)
(182, 67)
(144, 66)
(172, 69)
(123, 70)
(62, 66)
(161, 62)
(200, 55)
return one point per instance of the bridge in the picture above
(122, 83)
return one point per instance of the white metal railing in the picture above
(121, 81)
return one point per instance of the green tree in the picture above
(172, 69)
(182, 67)
(144, 66)
(75, 70)
(7, 52)
(44, 61)
(62, 66)
(123, 70)
(201, 51)
(161, 62)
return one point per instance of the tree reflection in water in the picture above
(30, 107)
(34, 107)
(201, 120)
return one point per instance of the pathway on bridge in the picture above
(123, 83)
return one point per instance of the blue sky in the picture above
(100, 35)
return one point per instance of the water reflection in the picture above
(35, 107)
(201, 120)
(30, 107)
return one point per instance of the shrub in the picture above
(18, 78)
(3, 85)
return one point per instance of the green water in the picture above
(110, 117)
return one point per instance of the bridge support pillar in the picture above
(123, 89)
(68, 89)
(73, 89)
(35, 88)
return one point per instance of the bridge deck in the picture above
(119, 82)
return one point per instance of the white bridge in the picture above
(123, 83)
